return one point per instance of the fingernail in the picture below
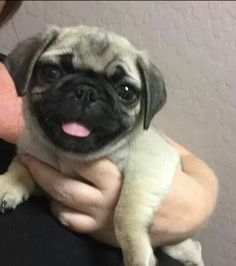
(63, 220)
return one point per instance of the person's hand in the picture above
(89, 208)
(85, 207)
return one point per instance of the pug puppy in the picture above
(88, 93)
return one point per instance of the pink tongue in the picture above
(77, 129)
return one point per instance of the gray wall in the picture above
(194, 44)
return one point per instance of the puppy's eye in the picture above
(127, 93)
(50, 72)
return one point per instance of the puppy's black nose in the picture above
(86, 94)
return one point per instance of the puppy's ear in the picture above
(21, 61)
(154, 89)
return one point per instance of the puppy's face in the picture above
(86, 88)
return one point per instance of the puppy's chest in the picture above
(120, 160)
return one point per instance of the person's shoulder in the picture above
(5, 78)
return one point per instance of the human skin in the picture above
(11, 120)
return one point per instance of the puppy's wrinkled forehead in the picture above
(94, 49)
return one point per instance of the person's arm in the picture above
(11, 120)
(189, 204)
(90, 208)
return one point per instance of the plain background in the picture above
(194, 45)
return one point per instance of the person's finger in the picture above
(77, 221)
(102, 173)
(70, 192)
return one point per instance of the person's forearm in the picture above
(181, 213)
(201, 173)
(205, 177)
(195, 167)
(191, 201)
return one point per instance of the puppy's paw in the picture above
(11, 194)
(188, 252)
(196, 259)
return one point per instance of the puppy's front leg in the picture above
(133, 216)
(16, 185)
(143, 189)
